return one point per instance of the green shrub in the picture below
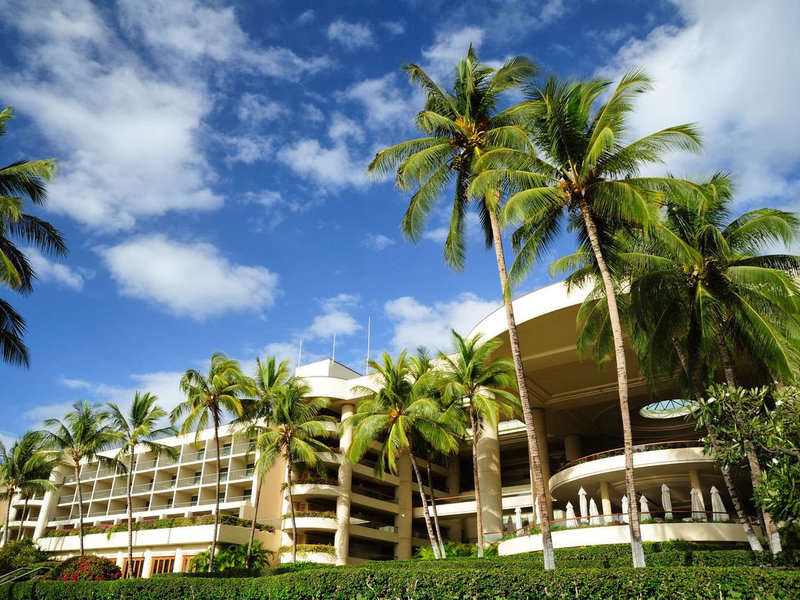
(23, 553)
(439, 581)
(231, 557)
(303, 549)
(85, 568)
(108, 528)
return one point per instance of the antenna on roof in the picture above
(333, 352)
(299, 356)
(369, 328)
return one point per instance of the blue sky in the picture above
(211, 156)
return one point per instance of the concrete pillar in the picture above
(46, 512)
(454, 489)
(341, 540)
(694, 481)
(605, 499)
(176, 568)
(120, 558)
(573, 447)
(489, 476)
(405, 505)
(544, 453)
(147, 565)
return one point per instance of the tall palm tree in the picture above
(471, 375)
(139, 428)
(82, 434)
(20, 180)
(208, 398)
(395, 414)
(293, 434)
(587, 169)
(461, 126)
(25, 469)
(704, 287)
(270, 375)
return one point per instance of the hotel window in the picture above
(226, 449)
(162, 564)
(187, 563)
(172, 480)
(135, 567)
(223, 474)
(201, 454)
(222, 496)
(249, 470)
(195, 500)
(197, 476)
(246, 495)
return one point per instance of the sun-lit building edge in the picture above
(348, 515)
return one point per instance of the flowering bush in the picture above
(85, 568)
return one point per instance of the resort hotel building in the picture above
(350, 515)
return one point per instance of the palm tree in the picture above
(704, 287)
(292, 434)
(395, 415)
(208, 397)
(588, 170)
(82, 434)
(470, 375)
(139, 429)
(25, 469)
(270, 375)
(461, 126)
(20, 180)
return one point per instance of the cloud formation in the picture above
(350, 35)
(188, 279)
(47, 270)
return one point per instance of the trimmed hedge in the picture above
(160, 524)
(405, 580)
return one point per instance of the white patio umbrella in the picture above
(594, 515)
(666, 501)
(583, 504)
(698, 514)
(518, 517)
(625, 509)
(720, 512)
(644, 507)
(537, 514)
(571, 520)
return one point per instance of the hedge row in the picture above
(402, 580)
(108, 528)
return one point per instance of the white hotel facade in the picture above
(350, 516)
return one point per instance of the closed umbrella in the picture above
(571, 520)
(720, 512)
(698, 514)
(666, 501)
(644, 507)
(594, 516)
(518, 517)
(625, 509)
(584, 505)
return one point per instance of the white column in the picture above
(341, 541)
(176, 568)
(147, 565)
(694, 481)
(605, 500)
(544, 453)
(490, 482)
(404, 518)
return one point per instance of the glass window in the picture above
(226, 449)
(135, 567)
(162, 564)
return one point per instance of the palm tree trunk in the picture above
(291, 506)
(129, 485)
(427, 517)
(744, 518)
(8, 515)
(729, 367)
(253, 524)
(435, 512)
(622, 382)
(478, 501)
(216, 497)
(22, 520)
(537, 485)
(80, 501)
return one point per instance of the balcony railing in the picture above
(637, 448)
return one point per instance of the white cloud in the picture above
(342, 128)
(350, 35)
(417, 324)
(726, 69)
(334, 165)
(254, 109)
(312, 114)
(377, 241)
(246, 149)
(437, 234)
(440, 59)
(191, 279)
(8, 438)
(306, 17)
(384, 102)
(47, 270)
(335, 317)
(394, 27)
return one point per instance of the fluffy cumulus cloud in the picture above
(384, 102)
(417, 324)
(335, 318)
(726, 68)
(377, 241)
(50, 271)
(336, 165)
(254, 109)
(350, 35)
(448, 48)
(192, 279)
